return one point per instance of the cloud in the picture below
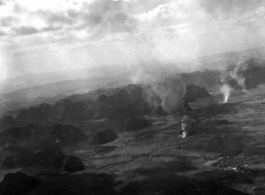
(25, 30)
(2, 33)
(192, 24)
(2, 3)
(105, 16)
(228, 8)
(9, 21)
(98, 18)
(159, 31)
(54, 20)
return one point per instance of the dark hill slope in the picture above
(207, 78)
(249, 74)
(112, 104)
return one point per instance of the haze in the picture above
(39, 36)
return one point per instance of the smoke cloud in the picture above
(163, 85)
(171, 93)
(226, 90)
(233, 78)
(167, 95)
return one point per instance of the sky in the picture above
(52, 35)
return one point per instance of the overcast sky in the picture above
(50, 35)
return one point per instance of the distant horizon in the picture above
(120, 65)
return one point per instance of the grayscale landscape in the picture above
(93, 97)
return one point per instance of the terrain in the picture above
(118, 143)
(224, 155)
(33, 89)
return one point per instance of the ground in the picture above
(225, 154)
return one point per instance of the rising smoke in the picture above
(233, 78)
(226, 91)
(171, 33)
(163, 85)
(171, 93)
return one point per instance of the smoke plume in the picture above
(171, 93)
(226, 90)
(163, 85)
(233, 78)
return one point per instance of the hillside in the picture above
(223, 155)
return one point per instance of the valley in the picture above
(125, 140)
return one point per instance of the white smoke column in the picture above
(226, 90)
(234, 73)
(164, 85)
(237, 73)
(171, 93)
